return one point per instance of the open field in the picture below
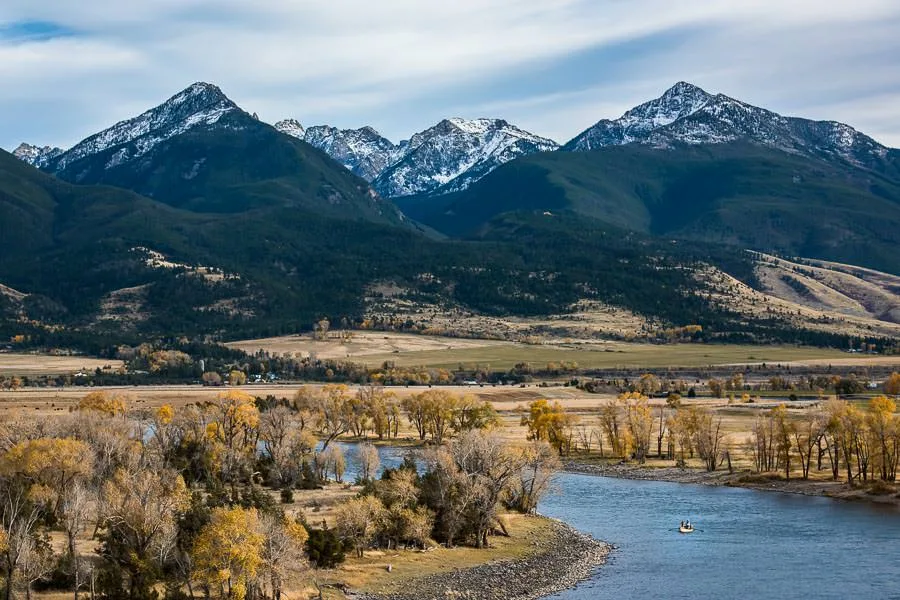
(374, 348)
(39, 364)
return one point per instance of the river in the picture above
(747, 544)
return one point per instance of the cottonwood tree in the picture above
(333, 412)
(232, 434)
(549, 422)
(228, 552)
(807, 433)
(21, 514)
(640, 426)
(885, 429)
(369, 462)
(784, 432)
(282, 549)
(892, 385)
(488, 467)
(138, 516)
(540, 463)
(708, 438)
(75, 510)
(36, 561)
(357, 521)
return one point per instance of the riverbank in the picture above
(559, 559)
(875, 493)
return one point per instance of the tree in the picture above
(35, 561)
(55, 463)
(21, 513)
(784, 432)
(708, 437)
(488, 467)
(232, 435)
(74, 512)
(237, 378)
(892, 385)
(640, 426)
(139, 514)
(611, 423)
(470, 413)
(807, 434)
(716, 387)
(369, 462)
(885, 428)
(333, 412)
(283, 542)
(416, 411)
(105, 403)
(549, 422)
(540, 463)
(211, 378)
(358, 520)
(228, 552)
(648, 384)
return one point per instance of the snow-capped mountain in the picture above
(364, 151)
(36, 156)
(686, 114)
(455, 153)
(201, 104)
(445, 158)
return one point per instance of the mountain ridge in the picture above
(446, 157)
(687, 114)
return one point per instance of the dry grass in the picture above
(370, 574)
(38, 364)
(374, 348)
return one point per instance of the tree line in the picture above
(184, 501)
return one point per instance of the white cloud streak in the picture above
(401, 64)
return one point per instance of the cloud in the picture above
(400, 65)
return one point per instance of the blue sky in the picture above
(69, 69)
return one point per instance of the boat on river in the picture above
(686, 528)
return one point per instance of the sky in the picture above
(69, 69)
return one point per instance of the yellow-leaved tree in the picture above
(105, 403)
(232, 433)
(228, 552)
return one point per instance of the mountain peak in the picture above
(687, 114)
(291, 127)
(684, 88)
(36, 156)
(200, 104)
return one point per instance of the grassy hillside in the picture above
(71, 249)
(742, 195)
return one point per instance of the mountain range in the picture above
(445, 158)
(263, 228)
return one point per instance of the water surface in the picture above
(748, 544)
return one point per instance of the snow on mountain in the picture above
(363, 151)
(445, 158)
(454, 154)
(686, 114)
(292, 127)
(200, 104)
(36, 156)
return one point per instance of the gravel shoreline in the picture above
(744, 479)
(564, 558)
